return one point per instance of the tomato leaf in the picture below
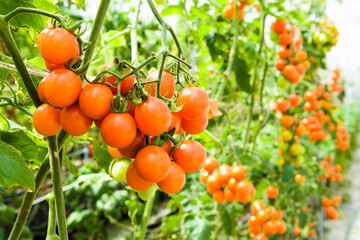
(171, 10)
(228, 221)
(72, 168)
(241, 70)
(14, 169)
(102, 156)
(196, 227)
(79, 3)
(288, 170)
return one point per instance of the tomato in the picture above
(230, 195)
(51, 66)
(153, 117)
(282, 105)
(57, 45)
(224, 174)
(196, 126)
(98, 123)
(126, 84)
(219, 196)
(175, 181)
(175, 122)
(40, 89)
(114, 152)
(256, 206)
(262, 216)
(167, 84)
(152, 163)
(213, 182)
(280, 64)
(134, 180)
(245, 190)
(280, 226)
(238, 172)
(118, 170)
(285, 38)
(190, 155)
(269, 228)
(118, 130)
(204, 176)
(301, 55)
(46, 120)
(272, 192)
(94, 101)
(62, 87)
(309, 96)
(299, 179)
(130, 150)
(74, 122)
(284, 52)
(290, 71)
(232, 184)
(210, 164)
(148, 193)
(195, 103)
(295, 100)
(278, 26)
(168, 145)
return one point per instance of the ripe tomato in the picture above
(278, 26)
(134, 180)
(46, 120)
(62, 87)
(285, 38)
(280, 64)
(280, 227)
(74, 122)
(256, 206)
(167, 84)
(40, 89)
(282, 105)
(118, 170)
(269, 227)
(262, 216)
(126, 84)
(130, 150)
(210, 164)
(57, 45)
(230, 195)
(118, 130)
(51, 66)
(195, 126)
(224, 174)
(175, 181)
(290, 71)
(148, 193)
(114, 152)
(204, 176)
(190, 155)
(219, 196)
(213, 182)
(232, 184)
(295, 100)
(245, 190)
(153, 117)
(175, 122)
(284, 52)
(152, 163)
(272, 192)
(94, 101)
(301, 55)
(195, 103)
(299, 179)
(238, 172)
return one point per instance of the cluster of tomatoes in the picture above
(333, 172)
(325, 37)
(292, 59)
(342, 137)
(334, 85)
(229, 10)
(141, 132)
(330, 206)
(297, 229)
(227, 183)
(265, 221)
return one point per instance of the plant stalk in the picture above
(145, 218)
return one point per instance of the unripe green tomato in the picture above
(287, 135)
(299, 159)
(249, 2)
(148, 193)
(316, 36)
(294, 149)
(302, 150)
(20, 96)
(283, 82)
(118, 169)
(323, 38)
(283, 146)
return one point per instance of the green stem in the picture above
(134, 41)
(51, 228)
(11, 103)
(10, 44)
(22, 10)
(145, 218)
(232, 54)
(95, 32)
(56, 174)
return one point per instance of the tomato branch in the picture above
(51, 228)
(22, 10)
(145, 218)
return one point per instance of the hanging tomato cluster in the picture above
(227, 183)
(265, 221)
(325, 37)
(292, 60)
(229, 10)
(334, 85)
(330, 206)
(141, 131)
(333, 172)
(342, 137)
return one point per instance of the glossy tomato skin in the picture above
(152, 163)
(40, 89)
(196, 126)
(195, 103)
(118, 130)
(73, 121)
(175, 181)
(175, 122)
(152, 117)
(46, 120)
(135, 181)
(94, 101)
(190, 155)
(130, 150)
(167, 84)
(62, 87)
(126, 84)
(57, 45)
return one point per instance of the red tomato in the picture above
(62, 87)
(46, 120)
(153, 117)
(196, 126)
(118, 130)
(195, 103)
(175, 122)
(167, 84)
(94, 101)
(175, 181)
(74, 122)
(190, 155)
(130, 150)
(126, 84)
(40, 89)
(135, 181)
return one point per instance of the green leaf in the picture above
(196, 227)
(241, 70)
(72, 168)
(22, 142)
(171, 10)
(214, 43)
(79, 3)
(102, 156)
(228, 221)
(288, 170)
(207, 136)
(7, 214)
(13, 168)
